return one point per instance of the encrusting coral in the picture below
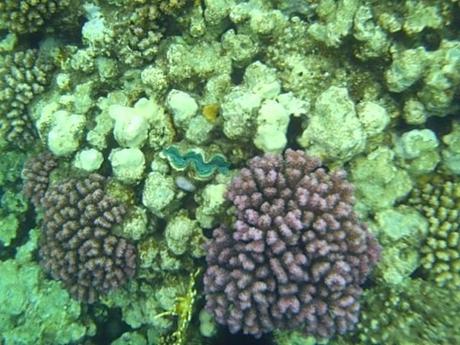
(296, 254)
(77, 246)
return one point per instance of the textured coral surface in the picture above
(77, 246)
(296, 254)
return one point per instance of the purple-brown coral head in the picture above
(295, 256)
(36, 174)
(77, 245)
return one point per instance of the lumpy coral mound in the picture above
(77, 246)
(295, 256)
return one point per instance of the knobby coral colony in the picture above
(77, 246)
(295, 256)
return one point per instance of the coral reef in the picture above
(296, 254)
(437, 198)
(167, 100)
(23, 76)
(399, 315)
(35, 310)
(77, 246)
(29, 16)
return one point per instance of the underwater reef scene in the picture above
(212, 172)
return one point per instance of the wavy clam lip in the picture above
(295, 256)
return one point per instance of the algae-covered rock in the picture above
(183, 107)
(127, 164)
(183, 234)
(334, 131)
(211, 203)
(379, 182)
(418, 150)
(88, 160)
(130, 338)
(451, 153)
(66, 132)
(336, 21)
(400, 231)
(8, 227)
(408, 67)
(239, 111)
(373, 117)
(159, 193)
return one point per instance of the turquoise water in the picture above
(168, 102)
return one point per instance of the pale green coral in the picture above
(400, 231)
(183, 234)
(239, 111)
(183, 107)
(379, 182)
(127, 164)
(438, 199)
(97, 136)
(421, 15)
(407, 67)
(334, 131)
(159, 193)
(400, 315)
(373, 117)
(130, 338)
(8, 227)
(88, 160)
(211, 204)
(374, 40)
(434, 75)
(132, 123)
(135, 225)
(65, 133)
(336, 21)
(418, 149)
(35, 310)
(451, 153)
